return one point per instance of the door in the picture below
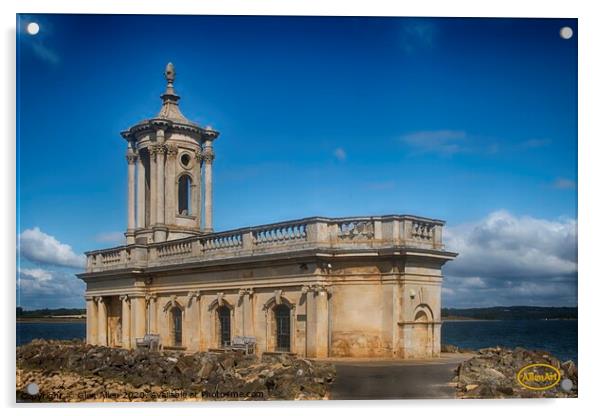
(283, 328)
(177, 326)
(224, 325)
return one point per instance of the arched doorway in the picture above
(176, 326)
(422, 347)
(223, 315)
(282, 315)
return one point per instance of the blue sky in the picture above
(469, 120)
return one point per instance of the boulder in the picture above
(492, 372)
(73, 371)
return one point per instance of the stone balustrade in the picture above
(309, 233)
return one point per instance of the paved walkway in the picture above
(361, 379)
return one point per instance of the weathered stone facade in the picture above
(317, 287)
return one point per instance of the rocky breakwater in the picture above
(519, 373)
(71, 371)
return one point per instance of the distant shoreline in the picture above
(462, 319)
(41, 320)
(451, 319)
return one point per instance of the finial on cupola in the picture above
(170, 76)
(170, 72)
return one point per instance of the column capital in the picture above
(98, 299)
(208, 154)
(151, 297)
(157, 149)
(317, 288)
(245, 291)
(131, 158)
(171, 150)
(124, 298)
(194, 294)
(136, 296)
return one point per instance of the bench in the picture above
(245, 344)
(150, 341)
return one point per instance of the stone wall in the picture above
(346, 308)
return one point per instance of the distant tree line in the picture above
(40, 313)
(512, 312)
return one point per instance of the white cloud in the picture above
(563, 183)
(43, 288)
(444, 142)
(417, 34)
(505, 259)
(37, 274)
(39, 247)
(340, 154)
(111, 237)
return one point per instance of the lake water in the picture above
(557, 337)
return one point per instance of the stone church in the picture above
(316, 287)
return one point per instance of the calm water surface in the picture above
(557, 337)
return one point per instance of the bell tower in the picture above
(170, 184)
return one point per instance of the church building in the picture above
(316, 287)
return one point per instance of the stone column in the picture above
(102, 322)
(310, 322)
(208, 157)
(171, 199)
(247, 312)
(317, 320)
(125, 322)
(322, 324)
(91, 321)
(131, 158)
(153, 185)
(139, 311)
(161, 185)
(141, 193)
(160, 235)
(152, 314)
(193, 323)
(198, 202)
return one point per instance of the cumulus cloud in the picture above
(39, 247)
(340, 154)
(39, 275)
(45, 288)
(509, 260)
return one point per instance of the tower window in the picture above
(184, 195)
(185, 159)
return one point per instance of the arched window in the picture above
(176, 326)
(184, 195)
(282, 313)
(223, 316)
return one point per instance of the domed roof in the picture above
(170, 110)
(170, 113)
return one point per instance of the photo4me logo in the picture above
(538, 376)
